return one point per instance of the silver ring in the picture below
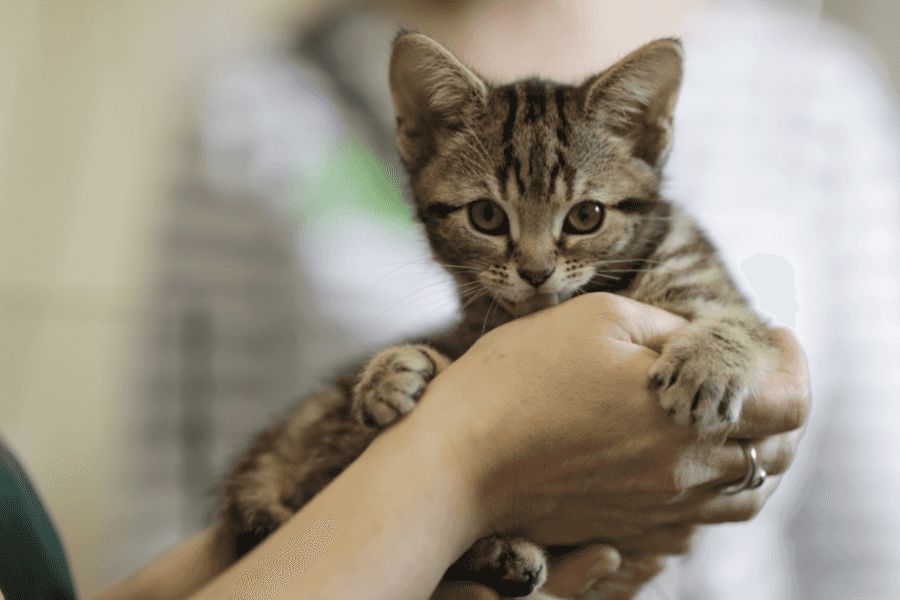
(754, 478)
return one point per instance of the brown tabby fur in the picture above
(535, 149)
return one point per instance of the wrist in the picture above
(441, 454)
(460, 438)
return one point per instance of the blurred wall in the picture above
(89, 100)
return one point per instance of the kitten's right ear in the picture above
(432, 92)
(636, 98)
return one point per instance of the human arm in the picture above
(609, 467)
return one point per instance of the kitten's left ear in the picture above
(636, 98)
(433, 93)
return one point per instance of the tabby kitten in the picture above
(531, 192)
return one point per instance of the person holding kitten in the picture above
(338, 49)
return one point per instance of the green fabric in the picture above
(352, 180)
(32, 561)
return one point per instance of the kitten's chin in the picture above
(529, 305)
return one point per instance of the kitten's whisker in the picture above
(420, 261)
(468, 287)
(402, 265)
(488, 313)
(478, 281)
(416, 293)
(465, 301)
(658, 267)
(606, 276)
(433, 304)
(433, 274)
(406, 262)
(462, 268)
(474, 287)
(422, 305)
(631, 260)
(473, 299)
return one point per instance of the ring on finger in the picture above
(754, 478)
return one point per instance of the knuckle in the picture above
(797, 413)
(783, 457)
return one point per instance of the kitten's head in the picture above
(534, 191)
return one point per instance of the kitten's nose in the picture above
(537, 276)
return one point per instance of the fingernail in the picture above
(589, 586)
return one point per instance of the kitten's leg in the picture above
(392, 382)
(291, 462)
(514, 567)
(705, 372)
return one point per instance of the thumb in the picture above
(572, 573)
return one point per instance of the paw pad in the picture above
(392, 383)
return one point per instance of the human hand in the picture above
(574, 573)
(612, 465)
(595, 572)
(781, 407)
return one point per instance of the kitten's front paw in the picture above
(703, 377)
(392, 382)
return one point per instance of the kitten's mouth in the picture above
(529, 305)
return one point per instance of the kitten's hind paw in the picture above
(392, 382)
(514, 568)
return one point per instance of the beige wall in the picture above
(88, 99)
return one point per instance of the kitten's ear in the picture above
(432, 91)
(636, 98)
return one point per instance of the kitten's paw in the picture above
(392, 382)
(703, 378)
(514, 567)
(253, 523)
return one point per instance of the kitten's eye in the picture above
(488, 217)
(584, 217)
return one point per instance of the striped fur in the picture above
(530, 193)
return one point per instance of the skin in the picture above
(611, 468)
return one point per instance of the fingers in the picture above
(633, 573)
(671, 539)
(784, 402)
(741, 507)
(773, 454)
(570, 574)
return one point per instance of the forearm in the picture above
(179, 572)
(387, 527)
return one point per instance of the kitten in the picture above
(530, 192)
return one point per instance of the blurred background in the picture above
(136, 318)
